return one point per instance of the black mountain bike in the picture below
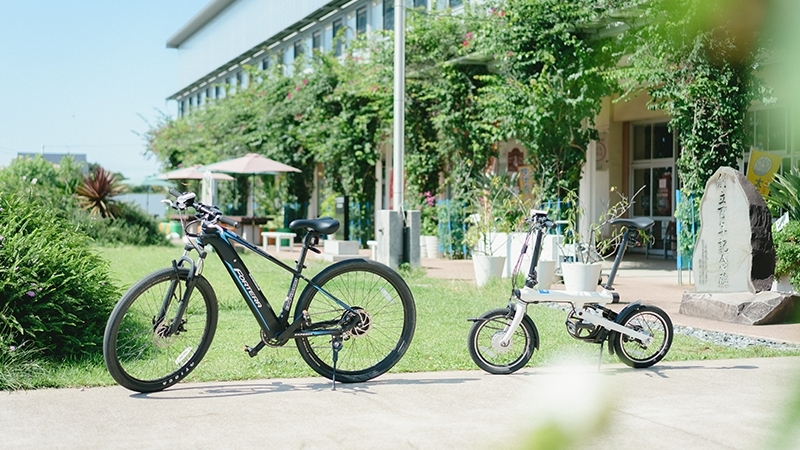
(353, 321)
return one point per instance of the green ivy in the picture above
(549, 83)
(698, 66)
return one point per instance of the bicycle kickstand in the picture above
(336, 345)
(600, 359)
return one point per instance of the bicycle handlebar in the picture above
(210, 213)
(539, 218)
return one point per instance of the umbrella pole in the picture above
(251, 204)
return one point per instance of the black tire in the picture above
(385, 302)
(136, 356)
(484, 347)
(650, 320)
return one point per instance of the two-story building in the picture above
(635, 150)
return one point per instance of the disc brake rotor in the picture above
(160, 338)
(365, 322)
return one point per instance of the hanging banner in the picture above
(761, 169)
(526, 181)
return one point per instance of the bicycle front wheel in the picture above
(652, 321)
(387, 316)
(484, 342)
(140, 352)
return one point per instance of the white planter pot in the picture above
(545, 271)
(487, 267)
(431, 246)
(782, 284)
(581, 277)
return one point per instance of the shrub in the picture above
(787, 252)
(50, 185)
(131, 226)
(54, 290)
(18, 362)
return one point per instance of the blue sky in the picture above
(85, 76)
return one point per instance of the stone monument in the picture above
(734, 258)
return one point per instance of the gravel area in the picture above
(732, 340)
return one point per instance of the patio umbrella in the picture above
(251, 164)
(196, 172)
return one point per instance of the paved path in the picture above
(728, 404)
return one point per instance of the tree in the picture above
(551, 77)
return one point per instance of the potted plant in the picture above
(488, 226)
(586, 251)
(429, 226)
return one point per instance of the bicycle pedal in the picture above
(253, 351)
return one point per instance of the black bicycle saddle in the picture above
(323, 225)
(642, 223)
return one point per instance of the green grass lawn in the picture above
(443, 307)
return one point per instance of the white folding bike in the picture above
(501, 341)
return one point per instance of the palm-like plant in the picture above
(96, 192)
(784, 194)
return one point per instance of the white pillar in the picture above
(399, 102)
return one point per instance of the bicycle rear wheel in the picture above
(652, 321)
(138, 353)
(385, 307)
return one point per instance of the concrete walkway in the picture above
(728, 404)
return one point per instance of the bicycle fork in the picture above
(520, 308)
(174, 327)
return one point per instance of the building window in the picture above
(454, 3)
(181, 107)
(266, 63)
(219, 92)
(767, 130)
(654, 149)
(337, 48)
(652, 141)
(388, 14)
(299, 49)
(316, 41)
(421, 4)
(361, 20)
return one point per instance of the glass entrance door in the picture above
(653, 172)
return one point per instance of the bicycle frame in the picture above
(273, 326)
